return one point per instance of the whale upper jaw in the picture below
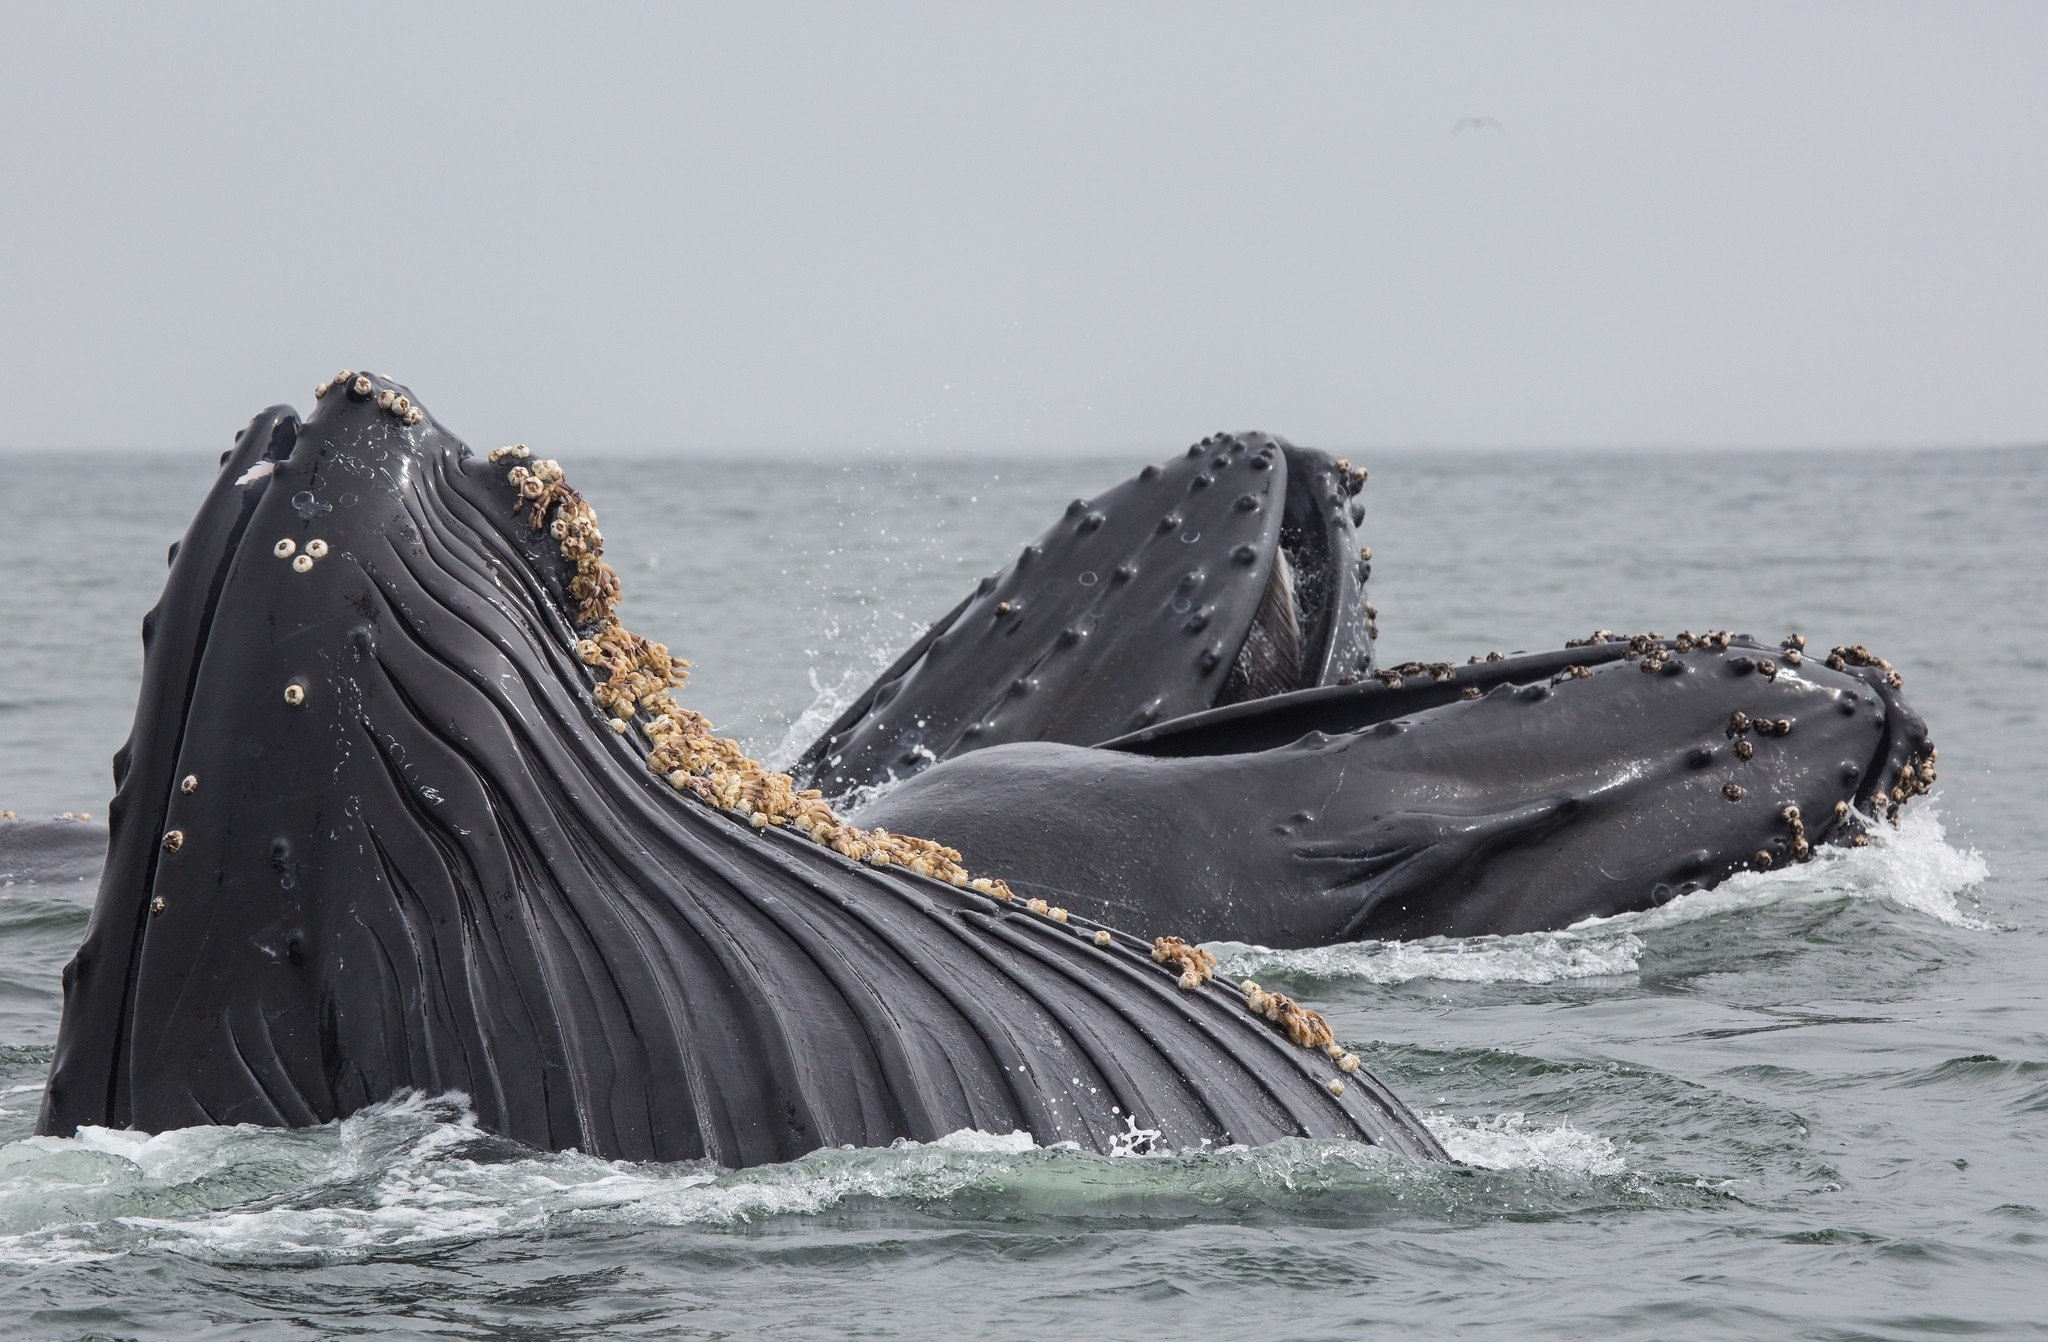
(1228, 572)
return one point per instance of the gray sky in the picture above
(1033, 226)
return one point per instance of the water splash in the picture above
(1507, 1142)
(1531, 957)
(417, 1173)
(1913, 867)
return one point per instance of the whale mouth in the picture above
(406, 809)
(1300, 614)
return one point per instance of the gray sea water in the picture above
(1811, 1104)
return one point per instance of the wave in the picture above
(417, 1172)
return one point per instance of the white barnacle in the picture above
(1335, 1085)
(385, 398)
(295, 694)
(1058, 915)
(679, 779)
(619, 725)
(303, 564)
(157, 905)
(1191, 980)
(322, 390)
(284, 548)
(1102, 938)
(190, 785)
(174, 840)
(759, 820)
(1348, 1063)
(317, 549)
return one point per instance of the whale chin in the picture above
(404, 809)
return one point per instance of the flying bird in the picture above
(1477, 123)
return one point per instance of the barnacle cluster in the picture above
(1196, 965)
(1916, 779)
(1841, 658)
(1305, 1027)
(1801, 849)
(358, 386)
(1438, 672)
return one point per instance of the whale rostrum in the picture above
(405, 808)
(1227, 574)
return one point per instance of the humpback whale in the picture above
(406, 808)
(1519, 795)
(1321, 798)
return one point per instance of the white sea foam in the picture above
(416, 1173)
(1533, 957)
(1508, 1142)
(405, 1173)
(1912, 867)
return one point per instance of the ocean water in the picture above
(1811, 1103)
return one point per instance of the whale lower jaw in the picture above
(373, 836)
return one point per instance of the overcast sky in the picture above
(1041, 226)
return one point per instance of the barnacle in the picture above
(1194, 963)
